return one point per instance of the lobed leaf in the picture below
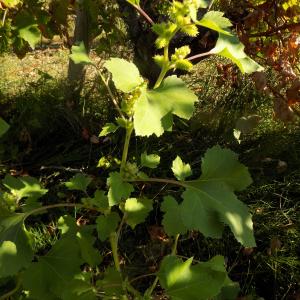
(79, 55)
(230, 47)
(153, 110)
(180, 169)
(125, 75)
(183, 281)
(137, 210)
(15, 244)
(78, 182)
(150, 160)
(118, 189)
(107, 225)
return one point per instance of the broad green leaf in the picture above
(108, 128)
(125, 75)
(216, 21)
(137, 210)
(172, 97)
(15, 244)
(180, 169)
(48, 278)
(10, 3)
(86, 240)
(107, 225)
(222, 165)
(3, 127)
(79, 55)
(84, 237)
(230, 47)
(150, 160)
(210, 200)
(24, 187)
(27, 28)
(172, 220)
(99, 200)
(78, 182)
(183, 281)
(118, 189)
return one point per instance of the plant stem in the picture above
(174, 249)
(151, 289)
(160, 180)
(165, 68)
(4, 16)
(143, 13)
(129, 130)
(14, 290)
(112, 97)
(199, 55)
(113, 239)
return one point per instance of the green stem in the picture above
(112, 97)
(165, 68)
(129, 130)
(174, 249)
(13, 291)
(160, 180)
(151, 289)
(113, 239)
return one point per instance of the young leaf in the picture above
(172, 220)
(52, 273)
(180, 169)
(107, 225)
(137, 210)
(108, 128)
(79, 182)
(183, 281)
(118, 189)
(15, 244)
(216, 21)
(79, 55)
(172, 97)
(125, 75)
(150, 161)
(230, 47)
(3, 127)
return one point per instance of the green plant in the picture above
(74, 268)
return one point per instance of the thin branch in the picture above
(115, 102)
(143, 13)
(199, 55)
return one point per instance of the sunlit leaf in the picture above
(180, 169)
(15, 244)
(79, 55)
(78, 182)
(125, 75)
(153, 110)
(150, 160)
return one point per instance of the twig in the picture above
(143, 13)
(199, 55)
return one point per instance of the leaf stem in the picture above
(4, 16)
(142, 12)
(113, 239)
(174, 249)
(199, 55)
(160, 180)
(165, 68)
(129, 130)
(151, 289)
(112, 97)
